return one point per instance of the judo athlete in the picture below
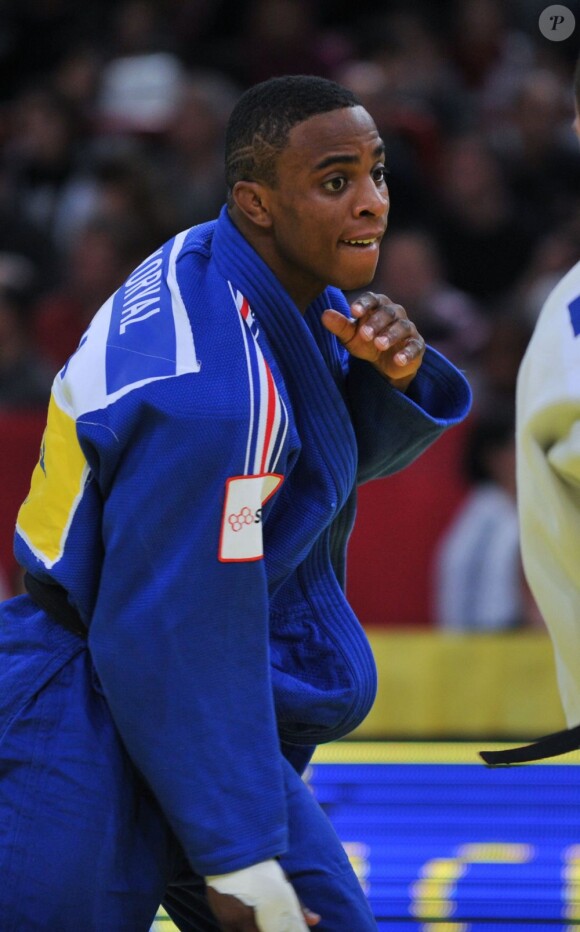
(186, 641)
(548, 484)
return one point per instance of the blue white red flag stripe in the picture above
(268, 418)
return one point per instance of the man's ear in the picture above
(251, 198)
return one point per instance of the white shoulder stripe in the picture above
(186, 358)
(85, 384)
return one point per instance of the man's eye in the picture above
(380, 175)
(335, 184)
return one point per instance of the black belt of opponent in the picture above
(560, 742)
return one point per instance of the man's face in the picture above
(330, 204)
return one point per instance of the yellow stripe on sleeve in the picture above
(56, 488)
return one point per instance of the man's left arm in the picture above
(402, 394)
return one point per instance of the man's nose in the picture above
(372, 201)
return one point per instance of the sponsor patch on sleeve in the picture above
(241, 530)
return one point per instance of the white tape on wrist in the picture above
(264, 887)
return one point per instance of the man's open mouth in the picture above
(360, 242)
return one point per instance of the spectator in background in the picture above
(29, 260)
(555, 253)
(138, 27)
(43, 162)
(375, 86)
(500, 359)
(37, 34)
(484, 244)
(285, 37)
(76, 78)
(193, 144)
(104, 252)
(478, 581)
(126, 183)
(489, 51)
(24, 378)
(410, 272)
(408, 43)
(404, 76)
(536, 150)
(139, 94)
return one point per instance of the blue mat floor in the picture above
(441, 843)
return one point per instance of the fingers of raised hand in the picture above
(369, 301)
(413, 349)
(386, 326)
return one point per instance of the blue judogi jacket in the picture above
(194, 496)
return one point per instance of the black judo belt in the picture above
(53, 599)
(549, 746)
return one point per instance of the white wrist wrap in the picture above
(264, 887)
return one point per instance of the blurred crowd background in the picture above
(112, 116)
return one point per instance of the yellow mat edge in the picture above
(421, 752)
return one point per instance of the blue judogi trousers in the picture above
(83, 842)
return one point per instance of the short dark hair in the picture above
(261, 121)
